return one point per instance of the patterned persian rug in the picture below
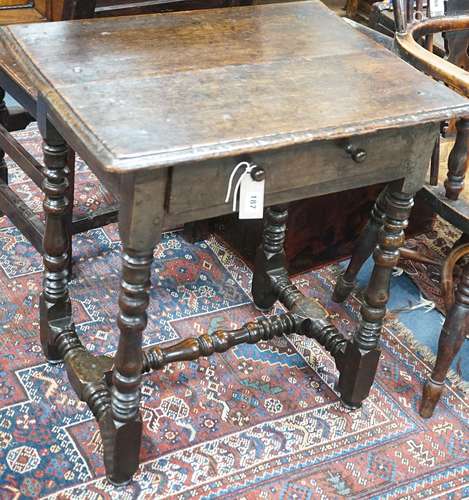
(436, 244)
(258, 422)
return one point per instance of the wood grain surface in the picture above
(159, 90)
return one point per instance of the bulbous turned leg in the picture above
(362, 354)
(128, 363)
(55, 305)
(364, 247)
(458, 160)
(270, 257)
(3, 170)
(451, 339)
(140, 220)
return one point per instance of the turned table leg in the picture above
(270, 257)
(458, 160)
(364, 247)
(451, 339)
(55, 305)
(127, 374)
(140, 222)
(362, 354)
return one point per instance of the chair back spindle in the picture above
(400, 20)
(451, 70)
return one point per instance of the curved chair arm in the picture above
(406, 44)
(447, 286)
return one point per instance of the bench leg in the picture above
(362, 354)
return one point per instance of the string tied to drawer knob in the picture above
(358, 154)
(250, 188)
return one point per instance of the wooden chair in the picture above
(379, 16)
(454, 331)
(414, 42)
(17, 119)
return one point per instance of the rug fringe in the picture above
(422, 303)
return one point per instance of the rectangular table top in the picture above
(158, 90)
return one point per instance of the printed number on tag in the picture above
(251, 198)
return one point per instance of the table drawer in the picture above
(302, 171)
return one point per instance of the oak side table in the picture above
(163, 108)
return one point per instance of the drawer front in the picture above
(302, 171)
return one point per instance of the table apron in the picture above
(198, 191)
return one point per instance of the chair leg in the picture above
(364, 247)
(451, 339)
(362, 354)
(458, 160)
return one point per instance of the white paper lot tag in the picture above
(437, 8)
(251, 198)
